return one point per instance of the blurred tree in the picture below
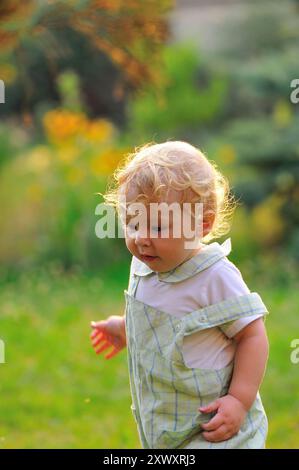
(190, 95)
(261, 123)
(12, 13)
(112, 45)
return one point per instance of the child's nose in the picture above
(142, 239)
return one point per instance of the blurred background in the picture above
(85, 82)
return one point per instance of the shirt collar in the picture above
(209, 255)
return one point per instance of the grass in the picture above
(56, 393)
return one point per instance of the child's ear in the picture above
(207, 224)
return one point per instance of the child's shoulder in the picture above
(224, 267)
(223, 280)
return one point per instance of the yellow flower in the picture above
(282, 113)
(227, 154)
(39, 159)
(63, 125)
(99, 130)
(267, 223)
(106, 162)
(67, 154)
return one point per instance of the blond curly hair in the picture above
(147, 174)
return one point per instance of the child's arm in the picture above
(249, 367)
(109, 333)
(250, 362)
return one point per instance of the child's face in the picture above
(161, 253)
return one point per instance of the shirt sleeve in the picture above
(226, 282)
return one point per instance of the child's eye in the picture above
(133, 226)
(160, 229)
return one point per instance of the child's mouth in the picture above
(148, 258)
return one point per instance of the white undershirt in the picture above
(213, 347)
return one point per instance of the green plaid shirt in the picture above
(166, 393)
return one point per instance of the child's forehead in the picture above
(168, 196)
(166, 209)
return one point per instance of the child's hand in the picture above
(228, 420)
(109, 333)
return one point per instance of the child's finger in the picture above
(106, 345)
(214, 423)
(211, 407)
(97, 343)
(98, 324)
(221, 434)
(97, 340)
(95, 333)
(112, 353)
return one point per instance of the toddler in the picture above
(196, 341)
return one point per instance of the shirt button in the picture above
(178, 326)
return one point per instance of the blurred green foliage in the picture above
(234, 104)
(182, 104)
(257, 143)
